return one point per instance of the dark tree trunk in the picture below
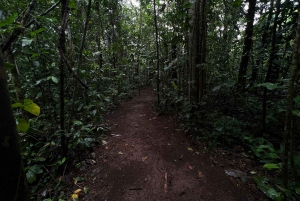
(13, 184)
(61, 46)
(263, 44)
(157, 52)
(288, 133)
(197, 51)
(241, 83)
(273, 70)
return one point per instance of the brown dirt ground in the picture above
(148, 157)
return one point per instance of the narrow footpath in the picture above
(146, 157)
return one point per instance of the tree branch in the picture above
(69, 67)
(61, 51)
(14, 36)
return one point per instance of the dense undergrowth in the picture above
(230, 121)
(45, 166)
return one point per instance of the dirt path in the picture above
(147, 157)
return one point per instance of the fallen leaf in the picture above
(90, 161)
(106, 147)
(116, 135)
(78, 191)
(86, 190)
(197, 153)
(104, 142)
(236, 173)
(95, 171)
(165, 127)
(74, 197)
(78, 179)
(190, 167)
(120, 153)
(145, 179)
(144, 158)
(200, 175)
(190, 149)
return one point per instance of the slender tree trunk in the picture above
(16, 78)
(72, 111)
(262, 44)
(61, 46)
(203, 32)
(273, 71)
(99, 36)
(288, 138)
(157, 53)
(139, 59)
(241, 83)
(13, 183)
(194, 52)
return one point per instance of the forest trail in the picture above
(148, 158)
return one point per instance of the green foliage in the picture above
(268, 189)
(119, 58)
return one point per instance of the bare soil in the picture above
(146, 156)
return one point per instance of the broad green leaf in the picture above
(8, 65)
(54, 79)
(296, 112)
(16, 105)
(23, 125)
(297, 190)
(267, 189)
(37, 169)
(26, 42)
(297, 99)
(37, 31)
(8, 20)
(30, 176)
(175, 86)
(271, 166)
(216, 88)
(286, 191)
(31, 107)
(96, 53)
(72, 4)
(268, 85)
(39, 159)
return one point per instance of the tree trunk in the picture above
(197, 51)
(99, 36)
(12, 177)
(273, 70)
(194, 51)
(72, 111)
(288, 138)
(61, 47)
(241, 83)
(16, 79)
(262, 45)
(157, 52)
